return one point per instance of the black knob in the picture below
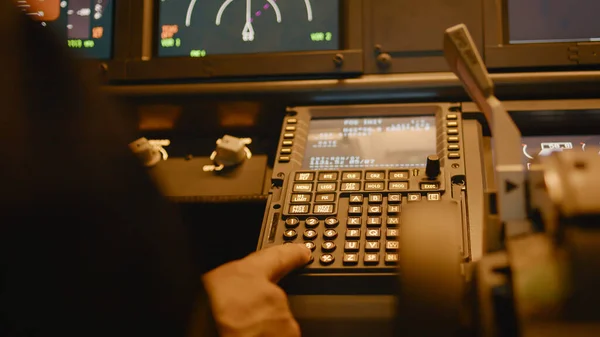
(432, 170)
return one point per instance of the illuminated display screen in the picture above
(197, 28)
(545, 145)
(85, 25)
(389, 142)
(539, 21)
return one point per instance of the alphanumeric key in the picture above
(372, 246)
(374, 221)
(391, 258)
(353, 221)
(371, 258)
(375, 210)
(355, 210)
(350, 258)
(392, 245)
(352, 246)
(373, 233)
(328, 246)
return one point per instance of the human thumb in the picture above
(276, 262)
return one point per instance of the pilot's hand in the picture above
(245, 298)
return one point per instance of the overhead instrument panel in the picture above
(219, 27)
(85, 25)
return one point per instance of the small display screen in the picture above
(386, 142)
(197, 28)
(545, 21)
(544, 145)
(85, 25)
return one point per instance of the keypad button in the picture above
(374, 221)
(310, 245)
(398, 186)
(434, 196)
(356, 198)
(332, 222)
(330, 234)
(350, 258)
(353, 221)
(392, 233)
(286, 151)
(393, 222)
(352, 246)
(305, 176)
(375, 198)
(351, 176)
(292, 121)
(288, 135)
(327, 197)
(452, 131)
(375, 210)
(311, 222)
(284, 159)
(352, 233)
(354, 209)
(290, 234)
(347, 187)
(414, 197)
(374, 186)
(451, 117)
(452, 124)
(326, 187)
(290, 128)
(292, 222)
(328, 176)
(453, 147)
(373, 233)
(301, 198)
(394, 198)
(371, 258)
(399, 175)
(303, 187)
(287, 143)
(430, 186)
(454, 155)
(326, 259)
(392, 245)
(453, 139)
(391, 259)
(328, 246)
(372, 246)
(310, 234)
(393, 209)
(299, 209)
(324, 209)
(375, 175)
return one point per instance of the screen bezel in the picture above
(500, 54)
(151, 67)
(113, 68)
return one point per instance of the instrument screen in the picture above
(85, 25)
(218, 27)
(387, 142)
(545, 21)
(544, 145)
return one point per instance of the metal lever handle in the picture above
(465, 61)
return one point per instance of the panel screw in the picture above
(338, 59)
(103, 67)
